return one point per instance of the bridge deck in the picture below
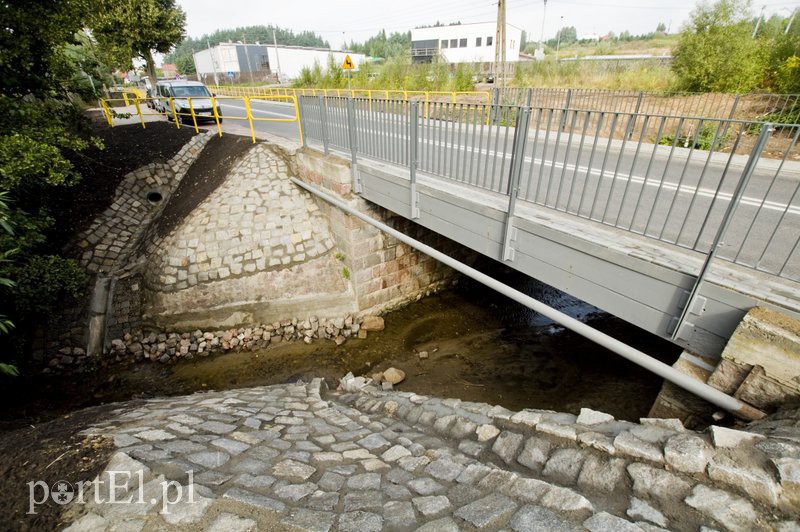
(642, 280)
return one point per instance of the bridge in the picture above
(677, 224)
(678, 220)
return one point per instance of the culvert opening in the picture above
(154, 196)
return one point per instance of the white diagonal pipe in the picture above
(702, 390)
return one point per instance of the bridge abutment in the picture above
(760, 365)
(384, 272)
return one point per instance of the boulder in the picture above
(372, 323)
(394, 375)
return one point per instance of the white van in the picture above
(181, 91)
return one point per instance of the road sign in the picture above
(231, 75)
(348, 63)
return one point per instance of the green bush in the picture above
(703, 140)
(716, 51)
(396, 74)
(45, 284)
(787, 77)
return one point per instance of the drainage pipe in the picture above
(702, 390)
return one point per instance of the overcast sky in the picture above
(359, 19)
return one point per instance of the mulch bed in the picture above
(126, 149)
(49, 452)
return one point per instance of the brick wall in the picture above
(385, 272)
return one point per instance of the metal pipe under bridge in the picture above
(677, 224)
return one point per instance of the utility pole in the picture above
(277, 58)
(196, 70)
(560, 30)
(213, 62)
(789, 26)
(758, 22)
(500, 43)
(247, 55)
(540, 51)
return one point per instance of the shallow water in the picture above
(481, 347)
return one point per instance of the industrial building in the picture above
(463, 43)
(262, 62)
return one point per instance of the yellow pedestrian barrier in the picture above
(166, 107)
(384, 94)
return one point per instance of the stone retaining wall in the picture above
(258, 250)
(171, 347)
(760, 366)
(108, 249)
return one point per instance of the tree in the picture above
(382, 46)
(661, 28)
(715, 51)
(134, 29)
(185, 64)
(32, 36)
(44, 59)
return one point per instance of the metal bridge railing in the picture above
(675, 179)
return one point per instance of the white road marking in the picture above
(254, 111)
(650, 181)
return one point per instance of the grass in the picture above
(661, 45)
(636, 76)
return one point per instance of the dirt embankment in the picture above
(203, 178)
(126, 149)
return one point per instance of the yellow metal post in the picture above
(107, 112)
(216, 115)
(125, 97)
(299, 124)
(250, 118)
(174, 114)
(194, 117)
(139, 111)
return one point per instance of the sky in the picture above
(359, 19)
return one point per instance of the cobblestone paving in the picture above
(115, 234)
(256, 221)
(299, 456)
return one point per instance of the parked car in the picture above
(180, 91)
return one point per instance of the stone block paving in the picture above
(115, 234)
(258, 220)
(300, 456)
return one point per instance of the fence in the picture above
(184, 110)
(371, 94)
(668, 178)
(778, 108)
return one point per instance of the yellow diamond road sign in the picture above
(348, 63)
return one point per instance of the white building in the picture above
(260, 61)
(463, 43)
